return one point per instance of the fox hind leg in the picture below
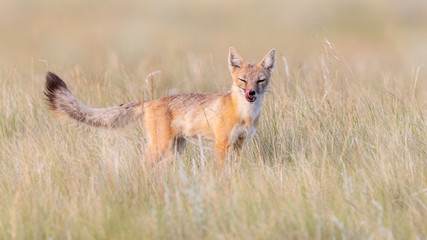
(160, 137)
(156, 150)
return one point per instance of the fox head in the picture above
(252, 79)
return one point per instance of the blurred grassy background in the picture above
(92, 32)
(340, 153)
(147, 35)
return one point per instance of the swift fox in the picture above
(229, 119)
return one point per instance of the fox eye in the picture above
(242, 80)
(260, 81)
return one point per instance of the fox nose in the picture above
(252, 92)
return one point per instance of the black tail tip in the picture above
(53, 84)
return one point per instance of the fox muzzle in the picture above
(250, 95)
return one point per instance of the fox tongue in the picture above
(247, 94)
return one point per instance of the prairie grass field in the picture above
(340, 153)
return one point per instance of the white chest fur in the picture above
(244, 132)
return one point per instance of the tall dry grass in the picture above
(340, 152)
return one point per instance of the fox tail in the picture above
(63, 103)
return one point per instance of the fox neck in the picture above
(246, 111)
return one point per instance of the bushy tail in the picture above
(62, 102)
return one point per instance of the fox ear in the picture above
(269, 61)
(234, 60)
